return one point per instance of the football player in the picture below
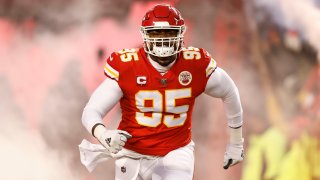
(156, 86)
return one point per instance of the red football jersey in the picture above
(157, 109)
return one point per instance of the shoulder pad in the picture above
(211, 63)
(116, 61)
(111, 68)
(202, 56)
(193, 53)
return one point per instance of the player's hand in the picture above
(112, 140)
(233, 155)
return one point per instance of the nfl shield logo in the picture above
(123, 169)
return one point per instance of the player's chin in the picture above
(164, 62)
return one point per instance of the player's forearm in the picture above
(233, 111)
(91, 117)
(233, 108)
(101, 102)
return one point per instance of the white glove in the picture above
(112, 140)
(233, 154)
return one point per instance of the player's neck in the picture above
(161, 69)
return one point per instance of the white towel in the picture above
(92, 154)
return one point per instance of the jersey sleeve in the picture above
(112, 67)
(211, 63)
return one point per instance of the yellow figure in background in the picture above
(264, 155)
(295, 165)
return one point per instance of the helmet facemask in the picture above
(164, 46)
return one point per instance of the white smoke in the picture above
(50, 74)
(306, 16)
(24, 155)
(302, 16)
(29, 66)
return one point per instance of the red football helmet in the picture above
(163, 17)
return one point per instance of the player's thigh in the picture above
(127, 168)
(180, 159)
(178, 164)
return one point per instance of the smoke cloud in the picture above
(46, 75)
(302, 16)
(23, 153)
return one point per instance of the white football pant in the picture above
(176, 165)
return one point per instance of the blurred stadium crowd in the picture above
(52, 55)
(288, 148)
